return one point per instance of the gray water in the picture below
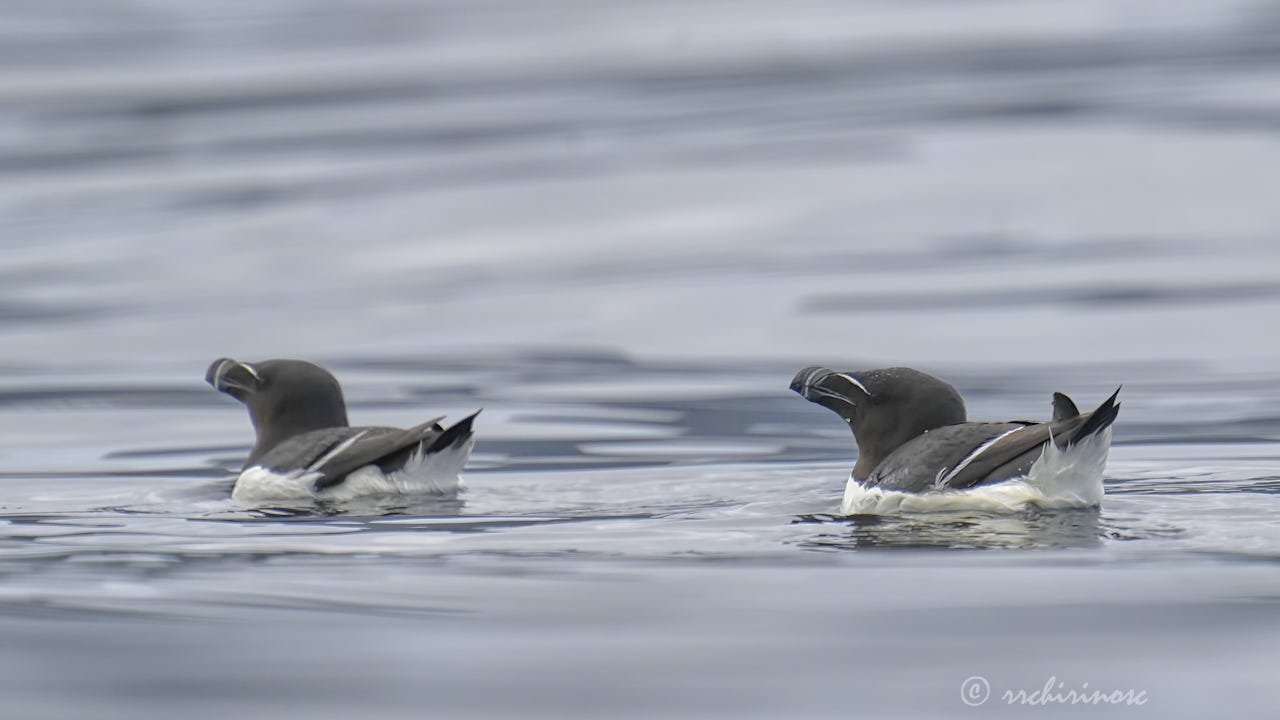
(620, 227)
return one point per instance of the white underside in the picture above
(431, 475)
(1070, 478)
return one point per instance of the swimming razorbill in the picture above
(305, 448)
(916, 450)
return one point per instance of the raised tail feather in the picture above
(459, 433)
(1063, 408)
(1099, 419)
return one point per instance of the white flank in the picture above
(435, 474)
(1070, 478)
(257, 484)
(857, 382)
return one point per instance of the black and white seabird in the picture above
(305, 448)
(916, 450)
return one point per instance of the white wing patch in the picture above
(315, 466)
(974, 456)
(855, 381)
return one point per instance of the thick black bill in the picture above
(232, 377)
(828, 388)
(816, 383)
(807, 379)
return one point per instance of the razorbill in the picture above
(306, 449)
(917, 452)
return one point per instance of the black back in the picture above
(300, 419)
(387, 448)
(912, 435)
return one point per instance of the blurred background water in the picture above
(620, 227)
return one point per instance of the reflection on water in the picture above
(713, 459)
(1029, 530)
(617, 515)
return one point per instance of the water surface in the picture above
(620, 228)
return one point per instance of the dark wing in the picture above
(919, 464)
(389, 448)
(1011, 455)
(334, 452)
(302, 450)
(372, 446)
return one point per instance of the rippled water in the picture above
(620, 228)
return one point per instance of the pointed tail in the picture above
(1099, 419)
(455, 436)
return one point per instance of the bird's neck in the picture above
(270, 434)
